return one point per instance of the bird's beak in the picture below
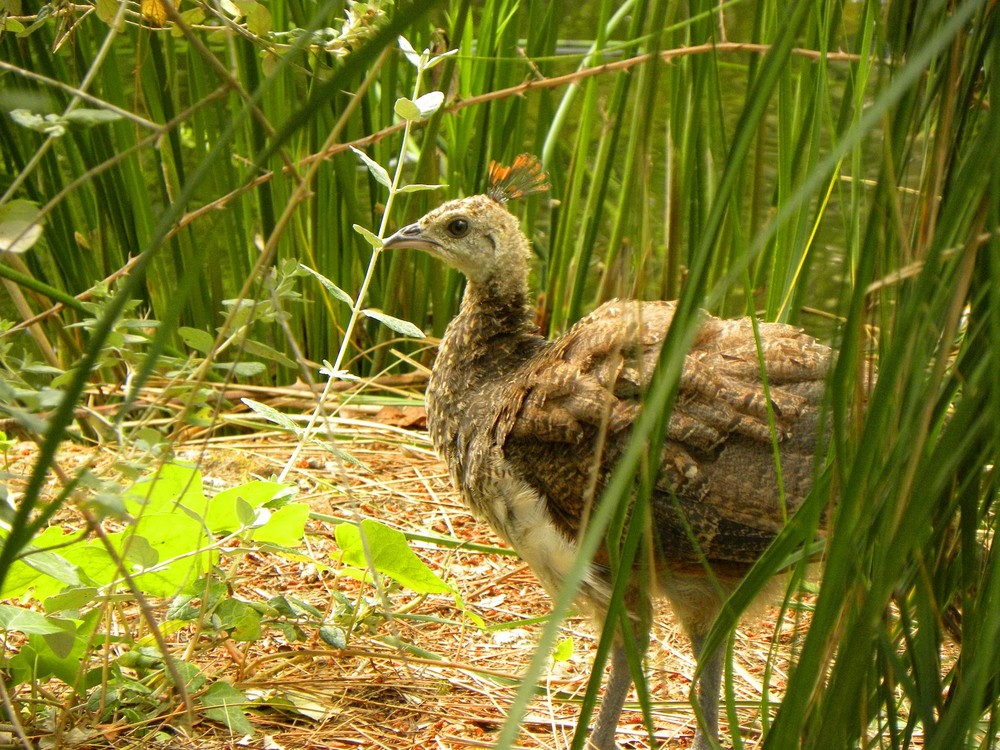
(410, 237)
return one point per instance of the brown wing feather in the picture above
(568, 413)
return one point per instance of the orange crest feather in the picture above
(522, 178)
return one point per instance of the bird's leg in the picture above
(709, 688)
(620, 680)
(619, 683)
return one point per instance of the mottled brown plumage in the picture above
(531, 429)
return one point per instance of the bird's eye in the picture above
(458, 228)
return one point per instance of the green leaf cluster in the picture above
(168, 545)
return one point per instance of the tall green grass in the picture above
(828, 164)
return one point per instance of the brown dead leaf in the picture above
(408, 417)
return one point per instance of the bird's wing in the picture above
(566, 418)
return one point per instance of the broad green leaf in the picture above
(225, 513)
(258, 16)
(196, 338)
(244, 513)
(61, 643)
(162, 532)
(54, 654)
(240, 619)
(28, 621)
(170, 484)
(224, 704)
(286, 527)
(272, 415)
(57, 634)
(391, 556)
(41, 571)
(332, 288)
(190, 675)
(179, 543)
(254, 494)
(191, 17)
(377, 170)
(563, 650)
(333, 636)
(421, 109)
(407, 109)
(135, 550)
(71, 599)
(94, 561)
(404, 327)
(107, 11)
(289, 606)
(20, 226)
(144, 657)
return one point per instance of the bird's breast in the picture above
(520, 515)
(493, 491)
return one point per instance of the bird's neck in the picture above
(493, 332)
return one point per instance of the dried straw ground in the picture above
(426, 676)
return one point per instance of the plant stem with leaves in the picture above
(412, 111)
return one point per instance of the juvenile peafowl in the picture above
(531, 429)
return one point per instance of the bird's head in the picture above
(478, 235)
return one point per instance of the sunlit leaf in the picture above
(107, 11)
(417, 187)
(404, 327)
(410, 53)
(370, 237)
(563, 650)
(27, 621)
(429, 103)
(376, 169)
(390, 554)
(285, 527)
(20, 226)
(271, 414)
(407, 109)
(332, 288)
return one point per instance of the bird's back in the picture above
(553, 425)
